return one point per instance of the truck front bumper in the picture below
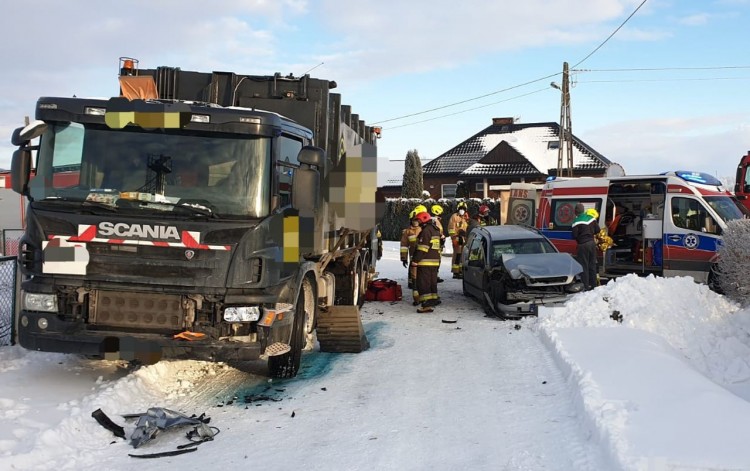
(72, 337)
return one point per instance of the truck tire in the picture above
(362, 269)
(287, 365)
(349, 285)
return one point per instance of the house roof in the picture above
(518, 150)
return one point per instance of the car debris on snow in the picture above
(155, 420)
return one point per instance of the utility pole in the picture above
(565, 144)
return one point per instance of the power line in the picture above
(466, 101)
(508, 88)
(610, 36)
(663, 80)
(652, 69)
(467, 110)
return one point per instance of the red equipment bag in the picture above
(383, 289)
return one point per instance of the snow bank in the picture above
(658, 387)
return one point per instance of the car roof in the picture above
(509, 232)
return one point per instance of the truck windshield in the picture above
(227, 173)
(727, 208)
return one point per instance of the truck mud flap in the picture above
(340, 330)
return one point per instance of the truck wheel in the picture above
(349, 286)
(287, 365)
(362, 269)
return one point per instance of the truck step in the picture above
(278, 348)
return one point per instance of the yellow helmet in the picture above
(436, 210)
(420, 209)
(593, 213)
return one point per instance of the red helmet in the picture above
(424, 217)
(484, 210)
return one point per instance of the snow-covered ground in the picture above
(667, 388)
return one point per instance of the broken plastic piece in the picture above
(187, 335)
(107, 423)
(156, 419)
(163, 454)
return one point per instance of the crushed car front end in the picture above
(522, 283)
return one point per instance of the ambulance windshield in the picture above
(727, 208)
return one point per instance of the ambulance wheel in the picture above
(714, 282)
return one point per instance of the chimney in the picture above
(502, 121)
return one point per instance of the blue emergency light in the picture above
(698, 177)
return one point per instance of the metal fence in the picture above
(8, 290)
(11, 240)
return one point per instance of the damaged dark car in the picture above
(512, 270)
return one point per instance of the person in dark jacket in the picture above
(585, 229)
(427, 259)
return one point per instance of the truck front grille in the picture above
(141, 310)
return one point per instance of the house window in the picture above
(449, 191)
(479, 187)
(553, 144)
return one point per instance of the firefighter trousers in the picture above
(427, 285)
(456, 261)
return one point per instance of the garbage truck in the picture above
(198, 215)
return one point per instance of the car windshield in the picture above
(229, 174)
(520, 247)
(727, 208)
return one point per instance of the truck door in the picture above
(691, 237)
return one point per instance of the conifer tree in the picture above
(413, 183)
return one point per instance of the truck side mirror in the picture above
(306, 184)
(20, 171)
(22, 136)
(314, 156)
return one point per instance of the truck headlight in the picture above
(40, 302)
(242, 313)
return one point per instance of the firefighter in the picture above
(427, 261)
(409, 246)
(437, 211)
(457, 230)
(484, 218)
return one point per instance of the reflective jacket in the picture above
(584, 228)
(428, 247)
(458, 223)
(409, 242)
